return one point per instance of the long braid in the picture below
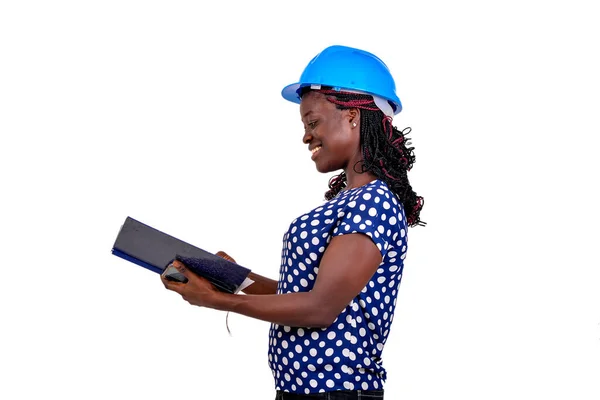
(386, 152)
(336, 184)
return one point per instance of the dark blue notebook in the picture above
(155, 250)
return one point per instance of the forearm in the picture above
(261, 285)
(291, 309)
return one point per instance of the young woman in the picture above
(332, 307)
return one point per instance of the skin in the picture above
(349, 261)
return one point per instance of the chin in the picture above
(321, 169)
(325, 167)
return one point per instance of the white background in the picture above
(170, 112)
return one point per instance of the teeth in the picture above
(316, 149)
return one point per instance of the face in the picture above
(331, 132)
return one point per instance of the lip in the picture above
(314, 155)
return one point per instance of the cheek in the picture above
(335, 134)
(344, 140)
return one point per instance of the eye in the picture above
(312, 124)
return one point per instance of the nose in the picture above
(307, 138)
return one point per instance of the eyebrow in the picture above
(306, 113)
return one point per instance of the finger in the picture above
(182, 268)
(173, 285)
(224, 255)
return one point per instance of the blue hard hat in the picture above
(347, 68)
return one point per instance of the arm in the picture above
(346, 267)
(261, 285)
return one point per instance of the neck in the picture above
(355, 179)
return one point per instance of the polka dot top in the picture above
(347, 354)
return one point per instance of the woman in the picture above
(332, 306)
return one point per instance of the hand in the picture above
(197, 291)
(224, 255)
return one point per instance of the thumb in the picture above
(181, 268)
(224, 255)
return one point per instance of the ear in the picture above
(354, 116)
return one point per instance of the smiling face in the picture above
(330, 133)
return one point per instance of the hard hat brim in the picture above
(290, 93)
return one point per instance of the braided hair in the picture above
(386, 151)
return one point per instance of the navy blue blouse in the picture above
(347, 354)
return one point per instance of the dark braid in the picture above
(386, 152)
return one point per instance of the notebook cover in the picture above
(155, 250)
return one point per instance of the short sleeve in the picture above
(375, 213)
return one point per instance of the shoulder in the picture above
(373, 210)
(376, 195)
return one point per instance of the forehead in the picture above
(315, 102)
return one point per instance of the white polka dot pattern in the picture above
(347, 354)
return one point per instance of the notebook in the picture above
(154, 250)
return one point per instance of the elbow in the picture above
(323, 317)
(319, 310)
(320, 325)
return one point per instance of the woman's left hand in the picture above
(197, 291)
